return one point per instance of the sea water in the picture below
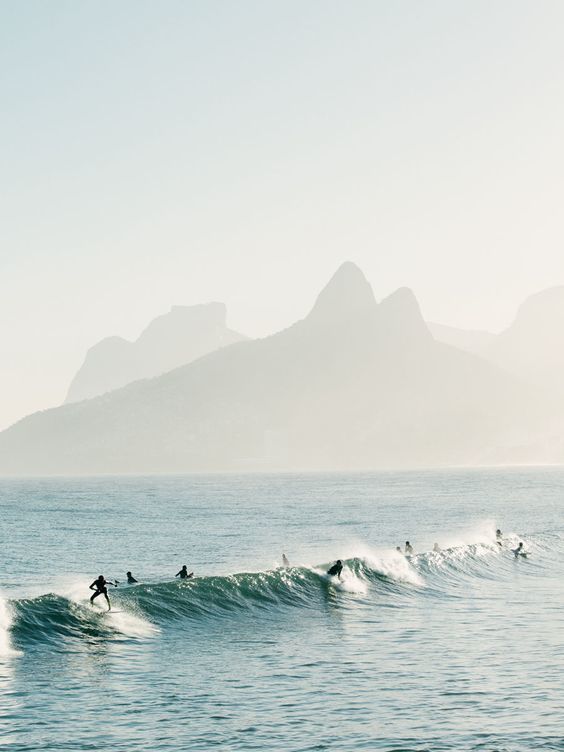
(460, 649)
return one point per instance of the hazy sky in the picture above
(180, 152)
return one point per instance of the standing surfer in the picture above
(100, 586)
(408, 548)
(285, 562)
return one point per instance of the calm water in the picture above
(457, 650)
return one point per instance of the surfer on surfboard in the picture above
(336, 569)
(184, 574)
(131, 579)
(100, 586)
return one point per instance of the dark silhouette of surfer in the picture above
(336, 569)
(519, 551)
(100, 586)
(499, 537)
(408, 548)
(285, 561)
(184, 574)
(130, 579)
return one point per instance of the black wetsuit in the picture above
(101, 589)
(183, 574)
(335, 570)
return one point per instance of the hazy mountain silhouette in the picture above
(471, 340)
(355, 384)
(172, 340)
(532, 346)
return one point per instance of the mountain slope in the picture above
(471, 340)
(172, 340)
(532, 346)
(353, 385)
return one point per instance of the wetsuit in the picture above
(336, 570)
(100, 585)
(183, 574)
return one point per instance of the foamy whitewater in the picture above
(450, 649)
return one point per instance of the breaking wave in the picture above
(141, 611)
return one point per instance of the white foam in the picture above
(130, 625)
(123, 621)
(394, 565)
(348, 583)
(6, 620)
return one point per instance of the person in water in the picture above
(100, 586)
(408, 548)
(519, 550)
(184, 574)
(498, 537)
(436, 548)
(285, 561)
(398, 549)
(336, 569)
(131, 579)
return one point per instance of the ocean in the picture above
(456, 649)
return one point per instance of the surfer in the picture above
(130, 579)
(436, 548)
(408, 548)
(285, 561)
(100, 586)
(498, 537)
(398, 549)
(519, 550)
(336, 569)
(184, 574)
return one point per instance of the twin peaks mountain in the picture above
(356, 384)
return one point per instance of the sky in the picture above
(173, 153)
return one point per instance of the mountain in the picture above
(355, 384)
(172, 340)
(533, 346)
(471, 340)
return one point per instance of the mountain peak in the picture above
(347, 295)
(402, 313)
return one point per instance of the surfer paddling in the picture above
(184, 574)
(131, 579)
(100, 586)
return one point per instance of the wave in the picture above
(141, 610)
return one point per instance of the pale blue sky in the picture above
(159, 153)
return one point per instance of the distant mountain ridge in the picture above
(171, 340)
(356, 384)
(531, 348)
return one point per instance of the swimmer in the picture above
(100, 586)
(336, 569)
(398, 549)
(408, 548)
(285, 561)
(184, 574)
(130, 579)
